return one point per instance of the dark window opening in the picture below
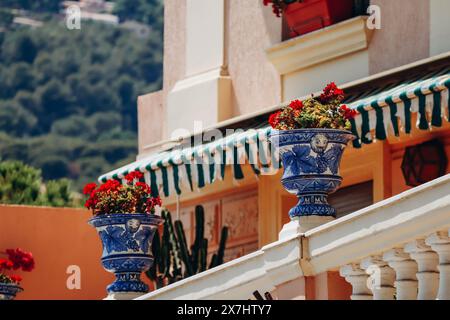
(353, 198)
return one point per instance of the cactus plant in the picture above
(173, 260)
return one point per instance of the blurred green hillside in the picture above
(68, 97)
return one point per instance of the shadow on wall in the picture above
(58, 238)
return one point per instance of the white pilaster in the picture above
(405, 270)
(428, 274)
(358, 278)
(382, 278)
(440, 243)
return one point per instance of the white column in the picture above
(357, 277)
(382, 278)
(440, 242)
(428, 274)
(405, 270)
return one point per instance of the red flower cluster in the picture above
(6, 264)
(16, 278)
(296, 105)
(110, 185)
(145, 187)
(274, 119)
(348, 113)
(21, 259)
(323, 112)
(332, 93)
(135, 175)
(89, 188)
(17, 259)
(112, 196)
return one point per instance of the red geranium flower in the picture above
(21, 259)
(110, 185)
(296, 105)
(332, 92)
(145, 187)
(348, 113)
(88, 188)
(16, 278)
(134, 175)
(274, 119)
(6, 264)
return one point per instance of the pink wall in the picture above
(404, 36)
(251, 29)
(151, 119)
(57, 238)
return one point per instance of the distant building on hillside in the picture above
(140, 29)
(92, 6)
(97, 10)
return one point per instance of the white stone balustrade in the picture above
(399, 247)
(440, 243)
(382, 277)
(405, 270)
(358, 278)
(428, 274)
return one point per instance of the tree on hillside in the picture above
(19, 183)
(22, 184)
(68, 99)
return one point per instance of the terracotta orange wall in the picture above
(57, 238)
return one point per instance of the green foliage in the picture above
(57, 193)
(68, 97)
(173, 261)
(145, 11)
(22, 184)
(33, 5)
(19, 183)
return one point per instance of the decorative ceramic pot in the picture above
(311, 159)
(310, 15)
(127, 240)
(8, 291)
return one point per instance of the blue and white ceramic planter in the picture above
(311, 159)
(127, 241)
(8, 291)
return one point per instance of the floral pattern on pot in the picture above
(126, 240)
(311, 159)
(8, 291)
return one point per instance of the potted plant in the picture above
(125, 219)
(311, 136)
(15, 259)
(304, 16)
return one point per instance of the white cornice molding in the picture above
(319, 46)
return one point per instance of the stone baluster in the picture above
(382, 278)
(428, 274)
(405, 270)
(357, 277)
(440, 243)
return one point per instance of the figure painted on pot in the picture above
(311, 137)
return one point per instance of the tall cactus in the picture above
(172, 255)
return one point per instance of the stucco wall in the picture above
(404, 36)
(251, 29)
(150, 120)
(57, 238)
